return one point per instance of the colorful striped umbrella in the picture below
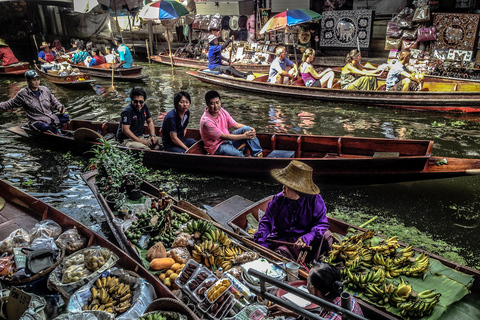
(163, 10)
(289, 18)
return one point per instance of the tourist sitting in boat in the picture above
(97, 59)
(399, 78)
(6, 54)
(73, 43)
(216, 137)
(126, 60)
(175, 124)
(296, 215)
(324, 282)
(37, 102)
(215, 58)
(46, 55)
(310, 77)
(132, 120)
(354, 77)
(57, 48)
(280, 67)
(81, 55)
(109, 55)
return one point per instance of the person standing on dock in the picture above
(37, 102)
(6, 54)
(126, 60)
(215, 58)
(297, 215)
(214, 126)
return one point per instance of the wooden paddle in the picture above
(113, 70)
(285, 243)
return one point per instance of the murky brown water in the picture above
(434, 206)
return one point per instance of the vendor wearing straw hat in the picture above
(46, 55)
(6, 54)
(215, 58)
(296, 215)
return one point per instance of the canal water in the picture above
(445, 210)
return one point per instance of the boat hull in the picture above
(103, 71)
(455, 101)
(74, 81)
(16, 69)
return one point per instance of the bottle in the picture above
(219, 273)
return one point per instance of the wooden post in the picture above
(148, 51)
(150, 35)
(169, 49)
(131, 32)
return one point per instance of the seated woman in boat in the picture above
(57, 48)
(354, 77)
(46, 55)
(109, 55)
(310, 77)
(296, 215)
(399, 78)
(325, 283)
(81, 55)
(280, 67)
(6, 54)
(215, 58)
(97, 59)
(175, 124)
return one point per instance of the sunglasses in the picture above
(138, 101)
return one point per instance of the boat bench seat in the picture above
(281, 154)
(211, 71)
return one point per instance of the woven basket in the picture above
(167, 304)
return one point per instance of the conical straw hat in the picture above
(297, 176)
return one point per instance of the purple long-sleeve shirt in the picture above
(287, 220)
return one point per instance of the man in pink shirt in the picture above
(214, 126)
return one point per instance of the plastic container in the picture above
(204, 306)
(243, 289)
(227, 289)
(187, 272)
(196, 279)
(225, 308)
(199, 293)
(219, 306)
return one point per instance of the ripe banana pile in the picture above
(361, 280)
(210, 252)
(110, 295)
(386, 246)
(198, 228)
(421, 306)
(217, 236)
(230, 254)
(214, 292)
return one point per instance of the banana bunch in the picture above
(403, 256)
(208, 251)
(386, 246)
(109, 295)
(362, 280)
(421, 306)
(230, 254)
(400, 294)
(418, 267)
(361, 236)
(375, 293)
(391, 270)
(214, 292)
(217, 236)
(199, 227)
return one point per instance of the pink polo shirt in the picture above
(211, 129)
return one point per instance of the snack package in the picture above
(7, 266)
(183, 240)
(246, 257)
(95, 258)
(74, 273)
(180, 255)
(71, 241)
(45, 229)
(18, 238)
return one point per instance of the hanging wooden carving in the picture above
(455, 31)
(341, 29)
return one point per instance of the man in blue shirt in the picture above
(126, 60)
(279, 66)
(215, 58)
(132, 122)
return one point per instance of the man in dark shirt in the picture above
(132, 122)
(215, 58)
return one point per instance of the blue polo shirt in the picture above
(135, 119)
(173, 123)
(125, 55)
(214, 56)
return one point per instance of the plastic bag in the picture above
(427, 34)
(421, 14)
(215, 22)
(86, 315)
(236, 272)
(410, 34)
(404, 18)
(197, 22)
(180, 255)
(71, 241)
(44, 243)
(7, 266)
(205, 22)
(245, 257)
(409, 44)
(142, 293)
(391, 43)
(18, 238)
(76, 259)
(75, 273)
(183, 240)
(45, 229)
(95, 258)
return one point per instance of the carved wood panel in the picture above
(455, 31)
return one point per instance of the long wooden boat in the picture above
(24, 211)
(75, 81)
(16, 69)
(339, 228)
(104, 71)
(334, 159)
(456, 96)
(203, 64)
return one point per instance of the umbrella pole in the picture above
(170, 51)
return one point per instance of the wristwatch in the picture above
(153, 135)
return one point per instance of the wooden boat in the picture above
(334, 159)
(24, 211)
(238, 223)
(75, 81)
(103, 71)
(454, 96)
(16, 69)
(203, 64)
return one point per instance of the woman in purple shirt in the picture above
(296, 215)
